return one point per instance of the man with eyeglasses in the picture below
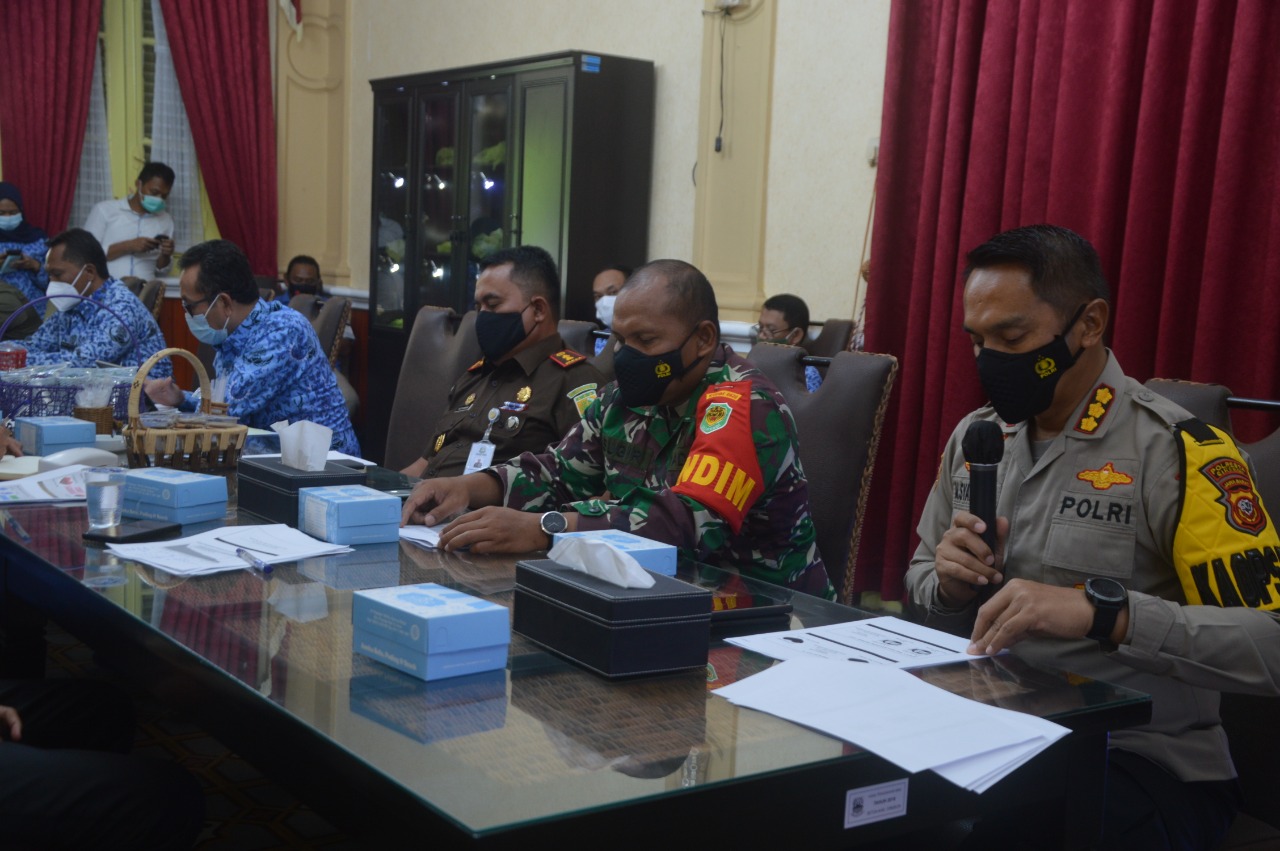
(268, 352)
(785, 319)
(80, 333)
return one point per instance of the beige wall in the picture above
(828, 62)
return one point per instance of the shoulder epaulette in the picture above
(567, 358)
(476, 365)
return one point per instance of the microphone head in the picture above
(983, 443)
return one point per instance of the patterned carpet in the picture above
(244, 811)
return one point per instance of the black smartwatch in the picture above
(553, 523)
(1108, 598)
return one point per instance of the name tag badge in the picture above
(480, 457)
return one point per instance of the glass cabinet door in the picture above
(438, 228)
(391, 165)
(489, 127)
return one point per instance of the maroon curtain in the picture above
(44, 101)
(222, 57)
(1149, 126)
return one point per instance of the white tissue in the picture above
(597, 558)
(304, 445)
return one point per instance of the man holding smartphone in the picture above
(136, 232)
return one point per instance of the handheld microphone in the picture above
(983, 447)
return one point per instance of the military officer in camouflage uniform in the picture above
(691, 446)
(522, 395)
(1112, 560)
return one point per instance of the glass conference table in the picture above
(543, 751)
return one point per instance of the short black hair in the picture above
(532, 270)
(159, 170)
(83, 249)
(793, 309)
(1064, 267)
(625, 270)
(303, 259)
(689, 292)
(223, 269)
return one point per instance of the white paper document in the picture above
(880, 641)
(333, 455)
(427, 537)
(898, 717)
(215, 551)
(65, 484)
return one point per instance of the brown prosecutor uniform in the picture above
(539, 395)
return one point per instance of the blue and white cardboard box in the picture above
(430, 631)
(652, 555)
(142, 510)
(370, 566)
(47, 435)
(349, 514)
(428, 712)
(174, 488)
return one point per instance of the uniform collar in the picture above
(528, 359)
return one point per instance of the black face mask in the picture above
(1021, 386)
(642, 379)
(304, 289)
(499, 333)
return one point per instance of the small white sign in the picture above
(875, 803)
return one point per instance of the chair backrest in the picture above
(577, 335)
(1205, 402)
(329, 323)
(434, 358)
(1265, 455)
(304, 304)
(134, 283)
(268, 286)
(152, 297)
(604, 360)
(834, 337)
(839, 427)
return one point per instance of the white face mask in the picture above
(604, 310)
(59, 288)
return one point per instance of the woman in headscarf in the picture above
(22, 246)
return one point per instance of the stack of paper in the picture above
(878, 641)
(215, 551)
(898, 717)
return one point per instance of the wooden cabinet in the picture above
(554, 151)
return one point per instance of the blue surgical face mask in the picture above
(152, 203)
(10, 222)
(204, 332)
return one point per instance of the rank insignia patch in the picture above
(1097, 410)
(567, 357)
(476, 365)
(1238, 496)
(1102, 479)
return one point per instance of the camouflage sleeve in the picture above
(572, 469)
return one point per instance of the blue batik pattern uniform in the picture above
(31, 284)
(276, 371)
(85, 334)
(812, 378)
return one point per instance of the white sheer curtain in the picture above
(171, 142)
(94, 183)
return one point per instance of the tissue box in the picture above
(47, 435)
(616, 632)
(429, 712)
(652, 555)
(374, 566)
(143, 510)
(430, 631)
(269, 489)
(349, 514)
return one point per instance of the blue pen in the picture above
(253, 561)
(15, 526)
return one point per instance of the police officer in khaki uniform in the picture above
(528, 390)
(1097, 569)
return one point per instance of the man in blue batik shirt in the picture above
(785, 319)
(82, 333)
(267, 352)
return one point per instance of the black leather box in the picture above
(616, 632)
(269, 489)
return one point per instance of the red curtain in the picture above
(222, 56)
(1149, 126)
(44, 101)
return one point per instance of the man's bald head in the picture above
(676, 289)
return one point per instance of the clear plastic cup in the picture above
(104, 492)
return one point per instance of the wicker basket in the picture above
(102, 417)
(203, 449)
